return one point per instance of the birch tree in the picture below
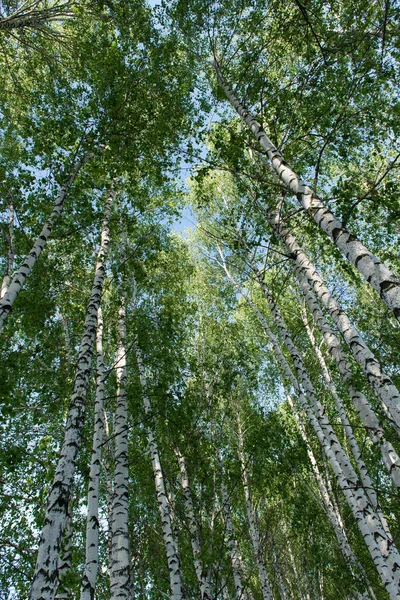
(13, 289)
(371, 268)
(120, 557)
(92, 526)
(255, 535)
(204, 583)
(170, 543)
(43, 585)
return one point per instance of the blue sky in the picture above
(185, 222)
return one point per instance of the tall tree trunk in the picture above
(65, 562)
(45, 577)
(254, 533)
(204, 584)
(170, 544)
(120, 577)
(236, 560)
(373, 529)
(371, 268)
(331, 509)
(25, 269)
(11, 253)
(380, 382)
(365, 411)
(92, 519)
(308, 386)
(319, 411)
(107, 462)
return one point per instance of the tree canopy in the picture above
(208, 412)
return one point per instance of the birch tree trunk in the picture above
(277, 567)
(120, 577)
(65, 562)
(365, 411)
(331, 510)
(92, 519)
(376, 536)
(25, 269)
(204, 584)
(107, 461)
(254, 533)
(231, 541)
(379, 381)
(371, 268)
(311, 393)
(45, 577)
(166, 526)
(308, 386)
(11, 253)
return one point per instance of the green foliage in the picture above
(133, 87)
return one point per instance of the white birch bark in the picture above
(65, 562)
(231, 542)
(371, 268)
(45, 577)
(376, 537)
(107, 461)
(120, 579)
(331, 509)
(92, 520)
(25, 269)
(241, 593)
(166, 526)
(254, 533)
(204, 583)
(311, 394)
(174, 524)
(379, 381)
(317, 408)
(348, 430)
(11, 253)
(365, 411)
(277, 567)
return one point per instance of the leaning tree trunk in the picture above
(331, 510)
(25, 269)
(309, 388)
(254, 533)
(204, 583)
(166, 525)
(45, 576)
(92, 519)
(120, 580)
(373, 529)
(379, 381)
(390, 458)
(371, 268)
(376, 537)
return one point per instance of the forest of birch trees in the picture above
(200, 299)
